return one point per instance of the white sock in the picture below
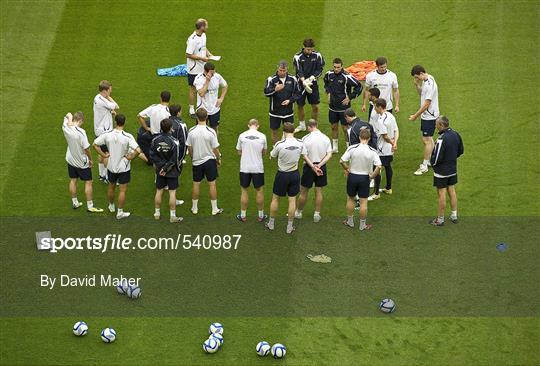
(298, 212)
(120, 211)
(426, 162)
(290, 224)
(271, 221)
(156, 212)
(90, 204)
(173, 213)
(261, 214)
(102, 171)
(242, 213)
(362, 224)
(75, 201)
(335, 143)
(191, 109)
(302, 123)
(440, 218)
(194, 205)
(350, 220)
(214, 205)
(316, 213)
(453, 214)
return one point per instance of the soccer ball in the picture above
(263, 348)
(278, 350)
(134, 292)
(218, 337)
(387, 306)
(108, 335)
(210, 345)
(122, 287)
(80, 328)
(215, 328)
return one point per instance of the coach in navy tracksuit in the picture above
(448, 148)
(164, 152)
(341, 88)
(355, 126)
(282, 90)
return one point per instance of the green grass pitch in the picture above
(459, 300)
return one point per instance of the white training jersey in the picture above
(288, 152)
(380, 129)
(119, 144)
(208, 101)
(156, 113)
(203, 140)
(430, 91)
(385, 83)
(389, 122)
(316, 146)
(361, 159)
(196, 45)
(251, 143)
(103, 119)
(77, 143)
(373, 117)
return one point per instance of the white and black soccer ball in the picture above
(278, 350)
(210, 345)
(122, 287)
(387, 306)
(80, 329)
(108, 335)
(215, 328)
(134, 292)
(218, 337)
(263, 348)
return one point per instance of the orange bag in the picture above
(361, 68)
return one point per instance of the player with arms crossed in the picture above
(384, 80)
(197, 54)
(357, 162)
(287, 180)
(429, 111)
(251, 147)
(309, 66)
(282, 90)
(79, 160)
(387, 132)
(104, 109)
(317, 151)
(341, 88)
(121, 149)
(207, 85)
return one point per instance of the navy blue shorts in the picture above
(275, 122)
(309, 177)
(191, 79)
(207, 169)
(313, 98)
(444, 182)
(427, 127)
(170, 182)
(120, 178)
(335, 117)
(213, 119)
(358, 185)
(247, 178)
(81, 173)
(287, 183)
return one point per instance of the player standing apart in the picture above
(197, 54)
(287, 180)
(429, 111)
(357, 162)
(384, 80)
(387, 132)
(341, 88)
(282, 90)
(203, 146)
(122, 148)
(207, 85)
(251, 147)
(164, 153)
(104, 109)
(448, 148)
(317, 151)
(79, 160)
(309, 66)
